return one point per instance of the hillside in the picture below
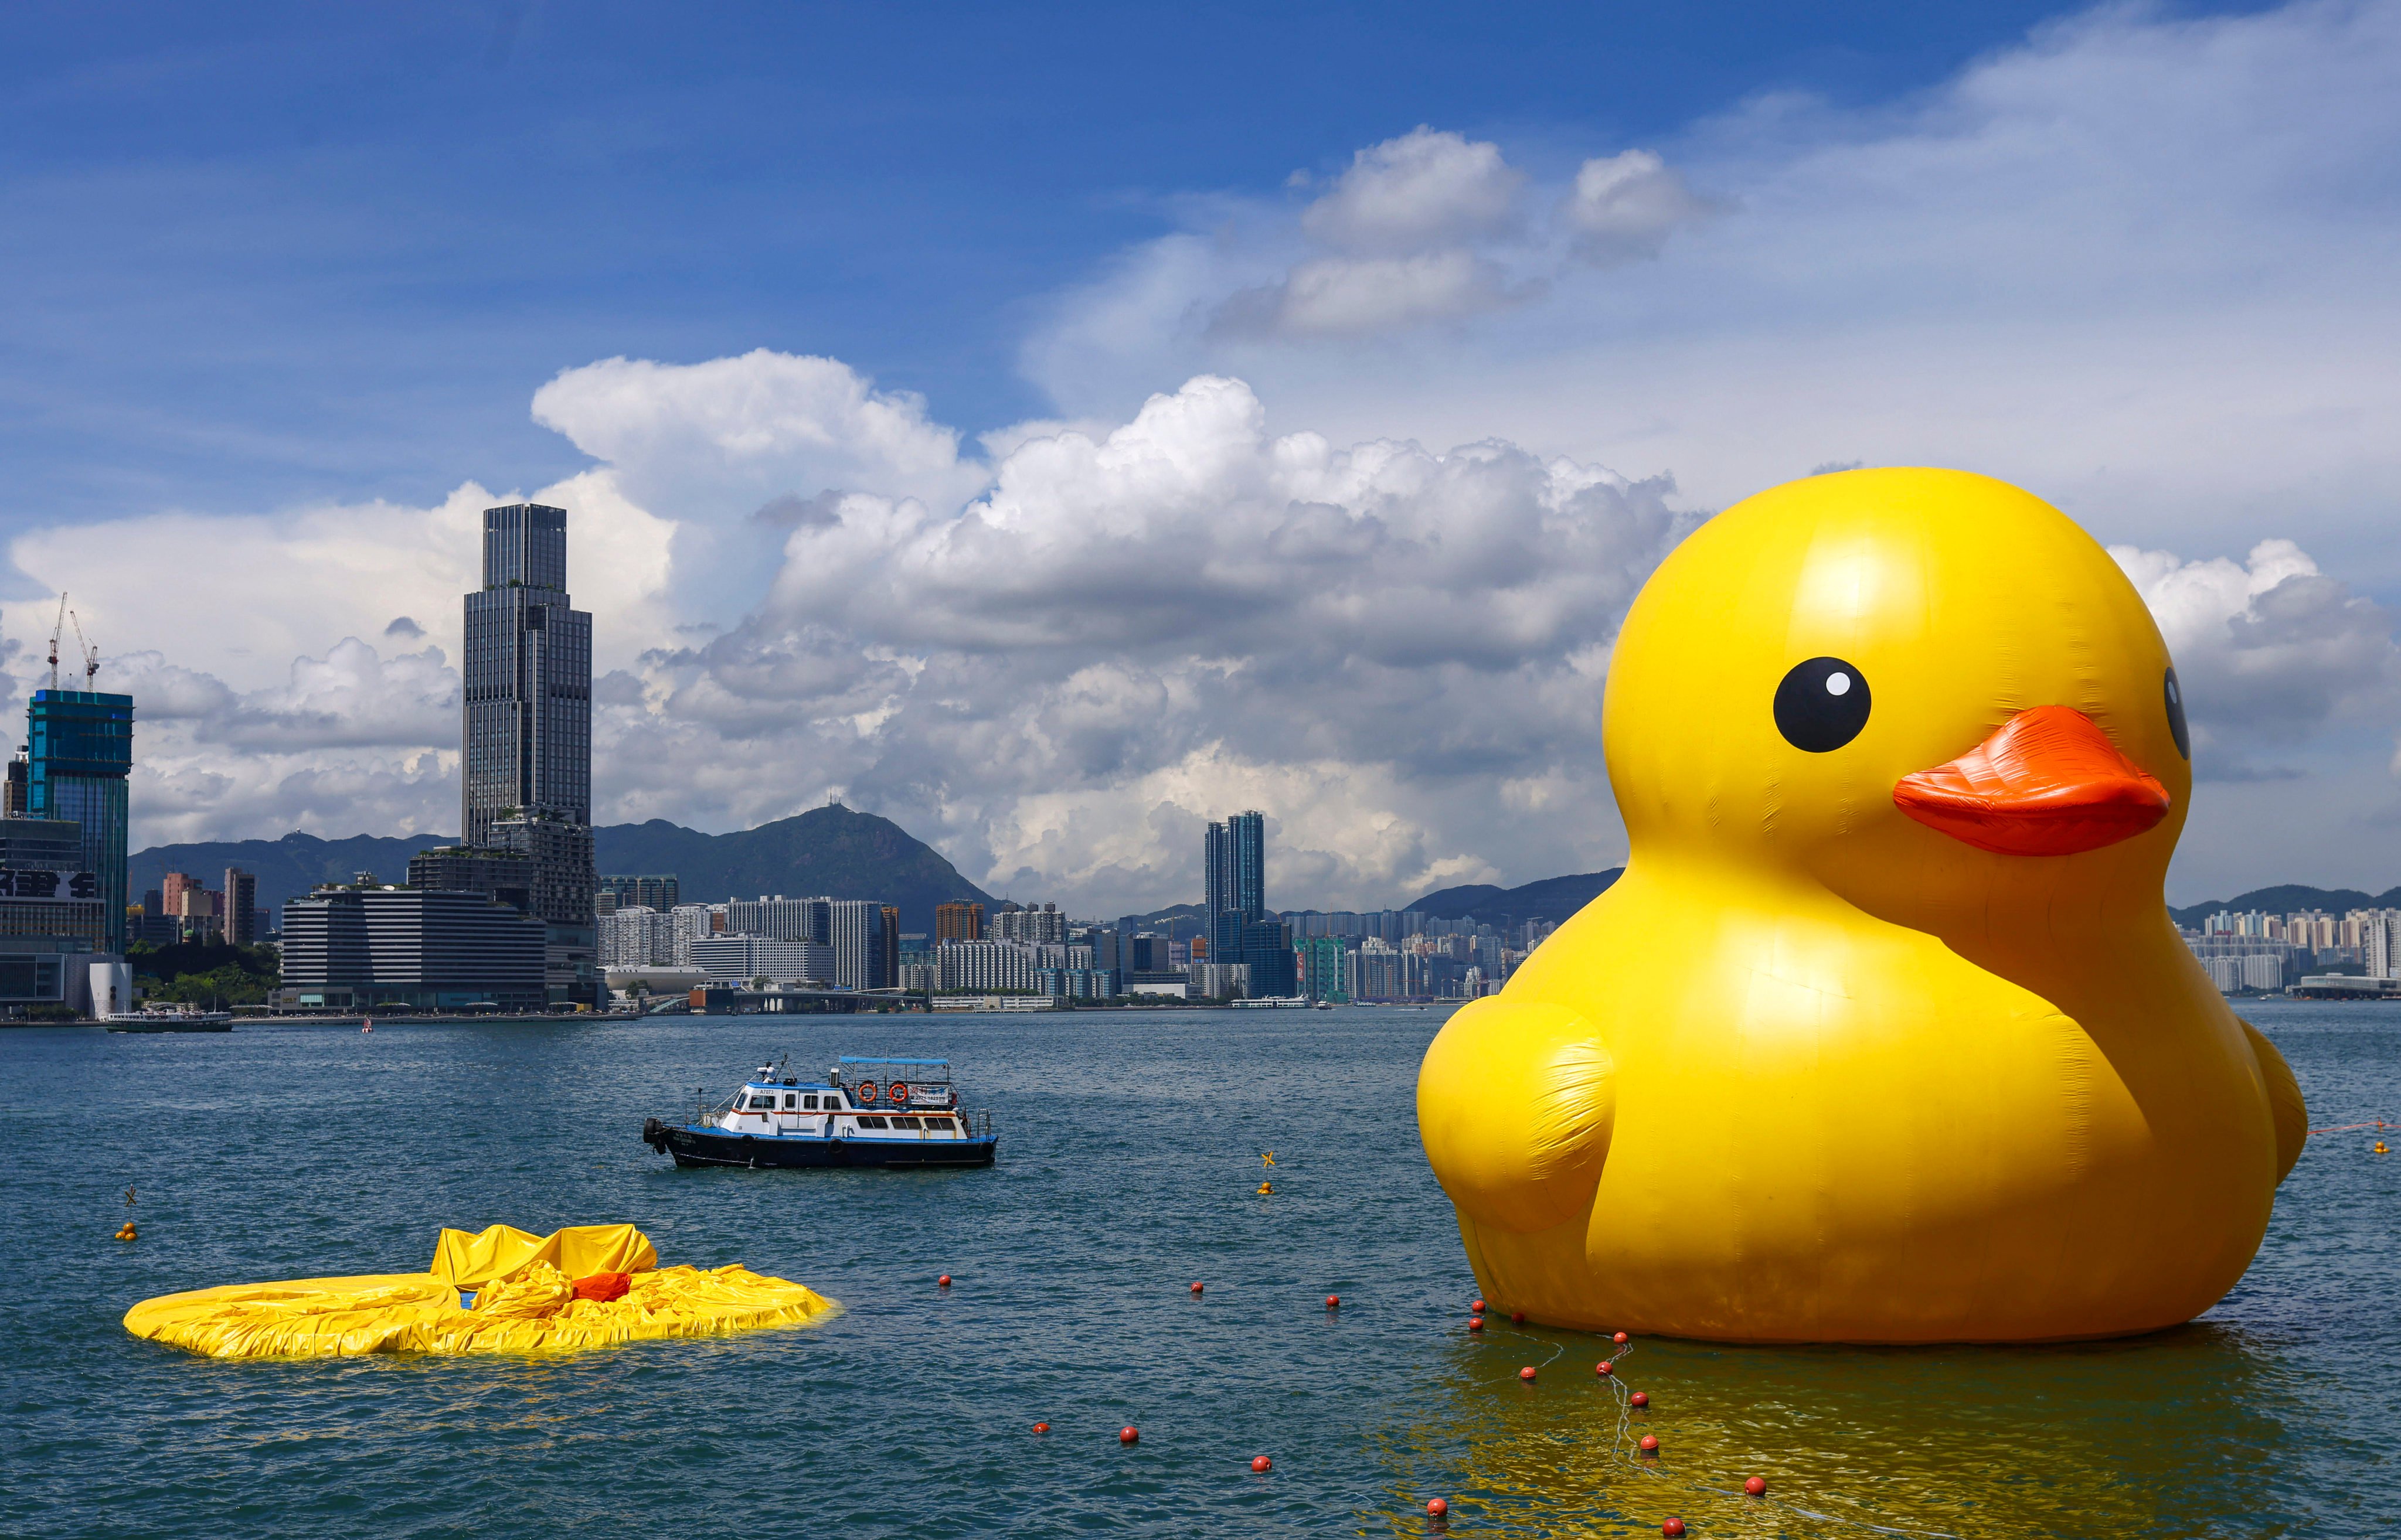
(832, 853)
(1553, 898)
(285, 868)
(2289, 898)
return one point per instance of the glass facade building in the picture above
(525, 732)
(526, 739)
(78, 752)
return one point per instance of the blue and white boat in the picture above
(866, 1112)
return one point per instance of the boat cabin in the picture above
(910, 1099)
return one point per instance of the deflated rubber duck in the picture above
(1884, 1035)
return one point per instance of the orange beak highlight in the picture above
(2047, 781)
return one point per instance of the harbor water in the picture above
(1130, 1155)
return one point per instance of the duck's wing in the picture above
(2284, 1102)
(1515, 1104)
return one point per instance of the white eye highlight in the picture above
(1838, 684)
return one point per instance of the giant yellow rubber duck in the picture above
(1884, 1036)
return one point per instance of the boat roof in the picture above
(935, 1063)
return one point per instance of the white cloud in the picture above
(2140, 264)
(240, 597)
(1135, 631)
(2269, 652)
(1624, 207)
(1424, 189)
(1360, 296)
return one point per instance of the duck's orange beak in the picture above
(2045, 782)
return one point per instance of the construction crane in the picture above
(90, 651)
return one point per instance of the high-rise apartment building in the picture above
(857, 944)
(525, 732)
(782, 919)
(79, 751)
(240, 907)
(958, 922)
(1235, 858)
(661, 891)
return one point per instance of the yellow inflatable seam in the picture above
(526, 1302)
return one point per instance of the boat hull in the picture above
(715, 1147)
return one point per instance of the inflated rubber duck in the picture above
(1885, 1034)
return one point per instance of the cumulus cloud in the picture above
(1429, 228)
(347, 743)
(240, 597)
(2268, 650)
(1424, 189)
(766, 422)
(2139, 262)
(1624, 207)
(1135, 630)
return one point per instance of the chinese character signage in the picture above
(48, 887)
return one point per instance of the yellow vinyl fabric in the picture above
(580, 1250)
(528, 1305)
(1815, 1070)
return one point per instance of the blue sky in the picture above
(1056, 427)
(283, 251)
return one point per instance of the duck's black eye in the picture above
(1821, 706)
(2176, 729)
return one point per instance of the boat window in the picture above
(809, 1103)
(940, 1125)
(761, 1103)
(792, 1100)
(874, 1123)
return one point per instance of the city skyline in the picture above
(1313, 476)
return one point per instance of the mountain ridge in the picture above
(831, 852)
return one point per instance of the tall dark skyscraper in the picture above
(526, 743)
(526, 739)
(1236, 882)
(79, 750)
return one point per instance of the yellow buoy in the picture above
(127, 1234)
(1267, 1187)
(2381, 1149)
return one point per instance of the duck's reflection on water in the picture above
(2173, 1433)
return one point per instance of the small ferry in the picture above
(177, 1019)
(866, 1112)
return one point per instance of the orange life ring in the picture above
(866, 1090)
(899, 1092)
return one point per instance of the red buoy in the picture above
(1261, 1465)
(1333, 1301)
(1527, 1372)
(1649, 1444)
(1127, 1436)
(1478, 1307)
(1672, 1528)
(942, 1282)
(1437, 1508)
(1604, 1367)
(1619, 1339)
(1196, 1288)
(1475, 1323)
(1041, 1428)
(1756, 1487)
(1640, 1399)
(1518, 1317)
